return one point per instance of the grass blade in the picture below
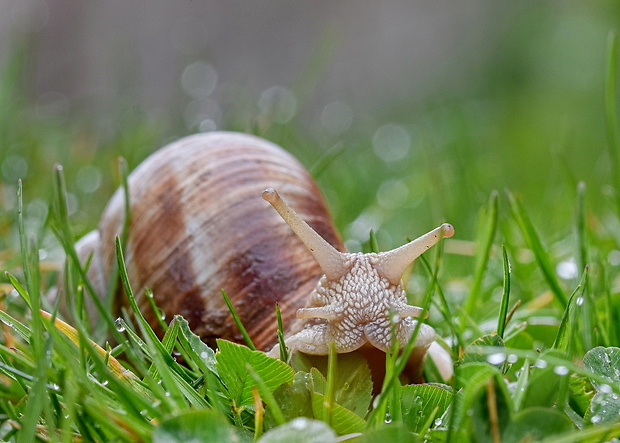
(589, 309)
(63, 233)
(568, 325)
(374, 245)
(503, 308)
(328, 399)
(533, 241)
(580, 225)
(23, 293)
(522, 382)
(611, 114)
(283, 351)
(483, 250)
(238, 322)
(146, 329)
(72, 334)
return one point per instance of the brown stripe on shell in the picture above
(199, 224)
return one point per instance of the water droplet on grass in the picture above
(120, 324)
(496, 359)
(540, 363)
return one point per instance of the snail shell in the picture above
(198, 225)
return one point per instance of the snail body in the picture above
(198, 225)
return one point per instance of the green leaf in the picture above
(546, 384)
(230, 363)
(294, 400)
(605, 405)
(604, 408)
(344, 421)
(299, 430)
(353, 381)
(470, 403)
(533, 424)
(420, 401)
(581, 394)
(201, 354)
(200, 425)
(603, 361)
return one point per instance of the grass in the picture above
(526, 300)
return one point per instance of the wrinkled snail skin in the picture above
(198, 225)
(360, 300)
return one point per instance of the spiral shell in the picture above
(198, 225)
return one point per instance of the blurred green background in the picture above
(410, 113)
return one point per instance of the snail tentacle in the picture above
(332, 262)
(392, 264)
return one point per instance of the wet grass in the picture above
(524, 292)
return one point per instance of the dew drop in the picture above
(496, 359)
(561, 370)
(120, 325)
(540, 363)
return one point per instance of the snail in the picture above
(198, 225)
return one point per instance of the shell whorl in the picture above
(198, 225)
